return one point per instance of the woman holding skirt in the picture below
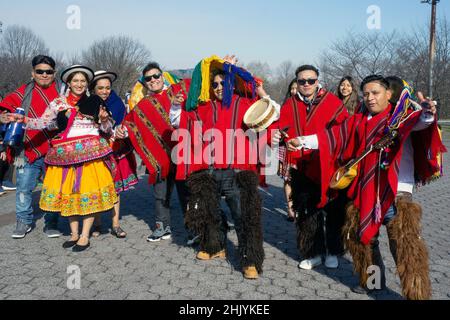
(79, 178)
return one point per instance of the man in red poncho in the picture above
(318, 228)
(29, 160)
(224, 161)
(150, 131)
(381, 193)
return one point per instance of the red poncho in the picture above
(327, 111)
(37, 142)
(150, 131)
(343, 143)
(223, 150)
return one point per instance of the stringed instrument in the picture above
(346, 174)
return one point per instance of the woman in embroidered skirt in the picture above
(78, 180)
(126, 175)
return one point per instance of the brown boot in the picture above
(250, 272)
(203, 255)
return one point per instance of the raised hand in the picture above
(231, 59)
(178, 99)
(103, 115)
(427, 104)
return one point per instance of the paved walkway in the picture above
(37, 267)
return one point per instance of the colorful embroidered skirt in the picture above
(126, 175)
(78, 191)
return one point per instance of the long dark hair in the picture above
(94, 83)
(288, 93)
(353, 101)
(396, 86)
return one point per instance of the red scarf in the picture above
(37, 142)
(72, 99)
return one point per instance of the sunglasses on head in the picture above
(49, 71)
(153, 76)
(216, 84)
(302, 82)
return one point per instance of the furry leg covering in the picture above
(251, 250)
(409, 250)
(361, 254)
(202, 212)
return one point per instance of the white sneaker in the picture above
(331, 262)
(308, 264)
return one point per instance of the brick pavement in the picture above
(36, 267)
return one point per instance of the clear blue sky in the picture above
(179, 32)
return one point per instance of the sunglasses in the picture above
(302, 82)
(216, 84)
(153, 76)
(49, 71)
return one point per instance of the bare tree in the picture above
(405, 55)
(120, 54)
(18, 46)
(442, 68)
(260, 69)
(284, 74)
(357, 55)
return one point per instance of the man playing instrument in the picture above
(381, 192)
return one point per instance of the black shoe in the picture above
(361, 290)
(78, 248)
(69, 244)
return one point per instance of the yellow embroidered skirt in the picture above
(94, 191)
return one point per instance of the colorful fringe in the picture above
(236, 79)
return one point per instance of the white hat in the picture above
(101, 74)
(74, 69)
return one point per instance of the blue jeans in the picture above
(27, 179)
(390, 214)
(163, 190)
(227, 186)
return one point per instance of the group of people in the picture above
(85, 138)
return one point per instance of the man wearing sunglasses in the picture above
(312, 110)
(382, 191)
(34, 98)
(149, 128)
(229, 171)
